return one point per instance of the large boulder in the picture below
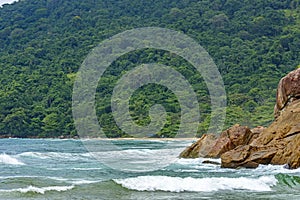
(248, 156)
(229, 139)
(278, 144)
(288, 91)
(201, 148)
(212, 146)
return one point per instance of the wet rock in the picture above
(211, 162)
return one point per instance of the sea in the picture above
(137, 169)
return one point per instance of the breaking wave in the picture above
(40, 190)
(177, 184)
(9, 160)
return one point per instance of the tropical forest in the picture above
(43, 43)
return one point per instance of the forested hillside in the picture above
(43, 43)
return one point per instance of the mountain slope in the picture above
(44, 42)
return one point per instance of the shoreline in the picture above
(161, 139)
(99, 138)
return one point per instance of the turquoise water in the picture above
(129, 169)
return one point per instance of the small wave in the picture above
(86, 169)
(196, 161)
(176, 184)
(56, 155)
(138, 160)
(275, 169)
(60, 180)
(84, 182)
(290, 181)
(41, 190)
(9, 160)
(72, 181)
(34, 154)
(138, 152)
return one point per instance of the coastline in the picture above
(99, 138)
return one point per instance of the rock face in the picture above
(288, 91)
(229, 139)
(201, 148)
(211, 146)
(278, 144)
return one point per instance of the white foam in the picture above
(41, 190)
(56, 155)
(73, 181)
(176, 184)
(197, 164)
(34, 154)
(196, 161)
(275, 169)
(138, 160)
(6, 2)
(83, 182)
(61, 179)
(9, 160)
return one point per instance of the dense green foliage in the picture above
(43, 43)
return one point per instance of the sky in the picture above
(6, 1)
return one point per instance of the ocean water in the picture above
(131, 169)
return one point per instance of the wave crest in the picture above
(176, 184)
(41, 190)
(9, 160)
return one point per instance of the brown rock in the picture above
(213, 147)
(239, 135)
(256, 132)
(235, 156)
(238, 158)
(280, 142)
(222, 145)
(250, 164)
(229, 139)
(262, 155)
(288, 90)
(210, 162)
(200, 148)
(290, 153)
(294, 161)
(247, 156)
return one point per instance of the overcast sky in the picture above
(6, 1)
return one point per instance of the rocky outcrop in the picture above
(229, 139)
(201, 148)
(288, 91)
(213, 147)
(278, 144)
